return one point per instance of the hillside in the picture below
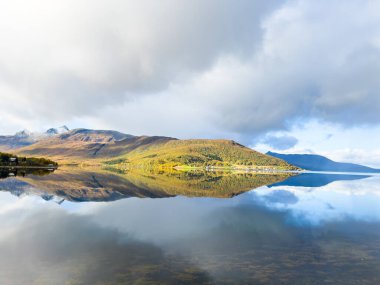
(76, 144)
(197, 153)
(320, 163)
(8, 143)
(126, 151)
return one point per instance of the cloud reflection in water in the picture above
(278, 235)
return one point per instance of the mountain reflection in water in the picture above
(78, 184)
(288, 233)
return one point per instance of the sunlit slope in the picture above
(196, 153)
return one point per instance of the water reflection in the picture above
(280, 234)
(80, 185)
(52, 247)
(318, 179)
(22, 172)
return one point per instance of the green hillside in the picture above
(198, 153)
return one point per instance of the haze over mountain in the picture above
(57, 131)
(320, 163)
(26, 137)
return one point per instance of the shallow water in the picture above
(96, 227)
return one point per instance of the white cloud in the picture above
(73, 57)
(336, 201)
(280, 142)
(237, 69)
(356, 155)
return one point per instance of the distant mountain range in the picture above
(315, 162)
(25, 138)
(124, 150)
(85, 146)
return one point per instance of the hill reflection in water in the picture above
(81, 184)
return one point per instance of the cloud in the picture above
(110, 242)
(232, 68)
(281, 197)
(73, 57)
(369, 158)
(280, 142)
(312, 62)
(74, 250)
(329, 136)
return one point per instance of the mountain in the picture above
(57, 131)
(20, 139)
(119, 150)
(25, 138)
(320, 163)
(77, 144)
(125, 151)
(23, 134)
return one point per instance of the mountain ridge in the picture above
(315, 162)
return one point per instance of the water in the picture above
(78, 226)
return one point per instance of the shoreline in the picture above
(27, 167)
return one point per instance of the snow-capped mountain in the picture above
(24, 138)
(33, 136)
(23, 134)
(57, 131)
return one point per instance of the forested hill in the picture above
(199, 153)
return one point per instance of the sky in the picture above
(289, 76)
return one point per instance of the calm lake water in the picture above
(78, 226)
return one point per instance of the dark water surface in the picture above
(78, 226)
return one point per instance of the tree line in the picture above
(7, 159)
